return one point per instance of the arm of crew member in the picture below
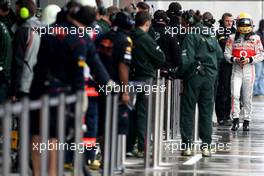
(98, 69)
(19, 51)
(228, 51)
(219, 52)
(259, 52)
(156, 54)
(188, 54)
(123, 70)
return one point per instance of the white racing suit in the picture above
(243, 77)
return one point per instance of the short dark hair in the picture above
(84, 14)
(112, 10)
(142, 18)
(143, 5)
(226, 15)
(29, 4)
(5, 5)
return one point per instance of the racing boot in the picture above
(235, 125)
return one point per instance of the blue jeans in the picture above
(259, 79)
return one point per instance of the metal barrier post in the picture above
(114, 124)
(168, 131)
(78, 120)
(149, 129)
(44, 133)
(61, 132)
(121, 148)
(161, 122)
(6, 134)
(196, 123)
(24, 138)
(174, 113)
(107, 135)
(176, 109)
(156, 125)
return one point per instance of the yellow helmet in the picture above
(244, 23)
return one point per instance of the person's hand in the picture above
(237, 60)
(125, 98)
(244, 61)
(13, 98)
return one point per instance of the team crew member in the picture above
(6, 53)
(243, 50)
(25, 48)
(115, 49)
(50, 77)
(200, 56)
(147, 56)
(223, 94)
(168, 44)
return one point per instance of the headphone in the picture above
(188, 16)
(24, 12)
(212, 21)
(208, 22)
(119, 16)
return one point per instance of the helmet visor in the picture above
(245, 22)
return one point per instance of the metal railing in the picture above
(165, 115)
(163, 120)
(22, 111)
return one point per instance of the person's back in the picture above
(147, 55)
(201, 48)
(58, 60)
(60, 69)
(25, 49)
(201, 54)
(109, 52)
(5, 55)
(168, 43)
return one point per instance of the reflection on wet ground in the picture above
(245, 157)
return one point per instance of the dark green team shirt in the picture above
(146, 56)
(5, 51)
(104, 25)
(200, 47)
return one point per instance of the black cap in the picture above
(123, 20)
(84, 14)
(161, 16)
(175, 9)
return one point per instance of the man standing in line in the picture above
(201, 55)
(146, 57)
(223, 94)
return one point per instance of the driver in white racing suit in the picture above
(243, 50)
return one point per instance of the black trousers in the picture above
(223, 93)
